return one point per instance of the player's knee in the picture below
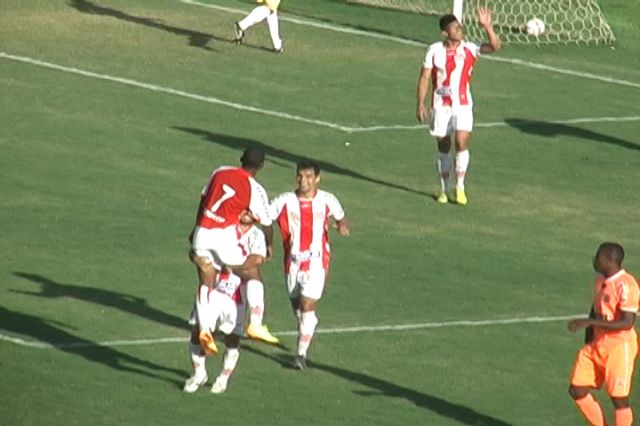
(195, 332)
(232, 341)
(202, 263)
(620, 402)
(577, 392)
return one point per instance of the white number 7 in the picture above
(228, 193)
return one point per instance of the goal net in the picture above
(566, 21)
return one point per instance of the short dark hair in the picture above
(308, 164)
(252, 158)
(446, 20)
(612, 251)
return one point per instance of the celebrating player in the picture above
(608, 359)
(229, 192)
(303, 217)
(222, 308)
(267, 10)
(449, 64)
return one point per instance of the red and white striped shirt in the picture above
(304, 226)
(229, 191)
(451, 71)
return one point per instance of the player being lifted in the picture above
(222, 308)
(229, 192)
(303, 218)
(268, 9)
(448, 65)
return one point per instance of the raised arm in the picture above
(494, 43)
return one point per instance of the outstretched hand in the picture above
(484, 16)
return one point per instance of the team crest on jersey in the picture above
(293, 217)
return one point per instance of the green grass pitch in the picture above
(114, 113)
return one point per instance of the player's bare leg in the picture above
(587, 404)
(443, 165)
(229, 362)
(198, 359)
(462, 164)
(306, 329)
(623, 412)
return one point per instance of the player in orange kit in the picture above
(608, 357)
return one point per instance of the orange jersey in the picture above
(612, 296)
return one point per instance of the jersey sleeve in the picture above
(629, 295)
(276, 206)
(259, 204)
(474, 48)
(335, 208)
(428, 58)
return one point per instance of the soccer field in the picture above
(115, 112)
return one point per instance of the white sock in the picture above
(197, 360)
(462, 163)
(229, 362)
(255, 299)
(256, 16)
(274, 30)
(308, 323)
(443, 165)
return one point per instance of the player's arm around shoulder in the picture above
(484, 18)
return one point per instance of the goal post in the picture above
(566, 21)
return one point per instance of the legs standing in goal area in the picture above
(268, 9)
(449, 65)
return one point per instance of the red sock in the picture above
(624, 417)
(591, 410)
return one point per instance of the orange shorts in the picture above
(606, 362)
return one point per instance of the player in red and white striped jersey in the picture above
(447, 67)
(303, 218)
(229, 192)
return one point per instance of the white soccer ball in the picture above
(535, 27)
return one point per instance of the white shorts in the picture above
(219, 245)
(306, 283)
(446, 120)
(228, 314)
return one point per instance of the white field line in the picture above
(504, 123)
(371, 34)
(341, 330)
(175, 92)
(278, 114)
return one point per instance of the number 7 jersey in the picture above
(230, 191)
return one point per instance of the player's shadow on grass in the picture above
(124, 302)
(49, 334)
(241, 144)
(549, 129)
(196, 38)
(380, 387)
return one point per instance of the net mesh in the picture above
(566, 21)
